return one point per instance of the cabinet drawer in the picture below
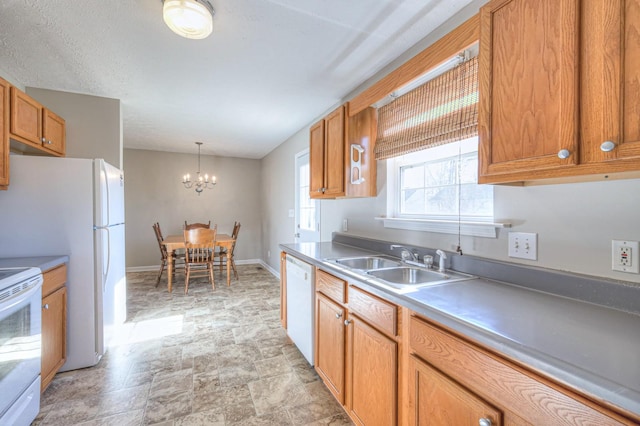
(376, 311)
(331, 286)
(54, 279)
(500, 382)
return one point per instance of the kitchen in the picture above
(575, 222)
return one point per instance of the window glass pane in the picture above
(441, 200)
(412, 201)
(442, 172)
(431, 181)
(412, 176)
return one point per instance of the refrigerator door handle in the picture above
(105, 176)
(105, 271)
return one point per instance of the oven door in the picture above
(20, 339)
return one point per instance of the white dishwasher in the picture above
(300, 306)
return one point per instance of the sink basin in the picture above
(367, 263)
(406, 276)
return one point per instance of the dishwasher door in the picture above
(300, 306)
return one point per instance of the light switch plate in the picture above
(523, 245)
(625, 256)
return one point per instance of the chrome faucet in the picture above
(407, 255)
(441, 263)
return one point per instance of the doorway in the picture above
(307, 211)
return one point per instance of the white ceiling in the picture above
(269, 68)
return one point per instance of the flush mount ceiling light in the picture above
(189, 18)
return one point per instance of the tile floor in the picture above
(206, 358)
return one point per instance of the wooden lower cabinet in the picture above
(330, 341)
(435, 399)
(54, 323)
(388, 365)
(372, 375)
(459, 383)
(356, 358)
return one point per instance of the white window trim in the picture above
(476, 227)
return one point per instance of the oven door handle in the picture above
(19, 298)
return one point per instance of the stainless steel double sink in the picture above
(394, 273)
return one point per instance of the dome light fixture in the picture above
(189, 18)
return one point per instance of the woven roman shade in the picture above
(441, 111)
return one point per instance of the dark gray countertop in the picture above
(42, 262)
(591, 348)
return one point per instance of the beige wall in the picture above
(575, 223)
(154, 193)
(93, 123)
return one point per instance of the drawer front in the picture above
(503, 384)
(331, 286)
(377, 312)
(54, 279)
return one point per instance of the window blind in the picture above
(441, 111)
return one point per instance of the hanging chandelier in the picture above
(189, 18)
(200, 182)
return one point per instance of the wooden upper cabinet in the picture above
(4, 134)
(334, 153)
(610, 84)
(316, 159)
(36, 126)
(534, 55)
(341, 155)
(26, 118)
(326, 157)
(528, 73)
(53, 132)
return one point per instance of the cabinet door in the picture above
(53, 132)
(316, 159)
(610, 82)
(4, 134)
(54, 348)
(435, 399)
(330, 353)
(283, 289)
(372, 375)
(26, 118)
(334, 153)
(528, 73)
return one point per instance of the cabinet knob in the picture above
(347, 322)
(607, 146)
(339, 315)
(46, 306)
(484, 422)
(564, 153)
(43, 140)
(49, 142)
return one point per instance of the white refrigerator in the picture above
(72, 206)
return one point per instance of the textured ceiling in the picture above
(269, 68)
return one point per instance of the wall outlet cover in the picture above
(625, 256)
(523, 245)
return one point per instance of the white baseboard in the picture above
(238, 262)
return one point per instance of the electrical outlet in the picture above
(625, 256)
(268, 253)
(523, 245)
(345, 225)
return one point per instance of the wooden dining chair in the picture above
(199, 246)
(196, 225)
(222, 254)
(178, 259)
